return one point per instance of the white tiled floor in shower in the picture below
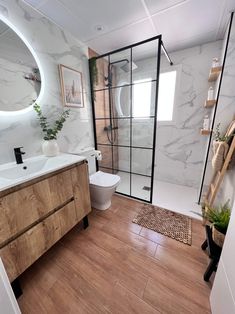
(179, 198)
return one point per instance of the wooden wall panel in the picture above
(102, 104)
(102, 67)
(101, 134)
(106, 156)
(102, 110)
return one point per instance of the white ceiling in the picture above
(183, 23)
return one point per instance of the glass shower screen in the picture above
(124, 97)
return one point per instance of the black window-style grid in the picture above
(159, 46)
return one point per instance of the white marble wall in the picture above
(180, 148)
(225, 114)
(52, 47)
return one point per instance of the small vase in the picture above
(50, 148)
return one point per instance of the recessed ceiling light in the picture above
(99, 28)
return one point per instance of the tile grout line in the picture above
(150, 305)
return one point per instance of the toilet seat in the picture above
(104, 180)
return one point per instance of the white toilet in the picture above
(102, 185)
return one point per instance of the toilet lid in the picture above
(103, 179)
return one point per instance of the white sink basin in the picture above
(12, 174)
(23, 170)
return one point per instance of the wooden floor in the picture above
(116, 266)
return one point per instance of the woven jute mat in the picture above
(171, 224)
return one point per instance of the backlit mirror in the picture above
(20, 80)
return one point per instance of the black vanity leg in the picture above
(85, 222)
(16, 288)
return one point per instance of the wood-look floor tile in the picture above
(181, 265)
(115, 266)
(119, 231)
(134, 281)
(193, 251)
(169, 299)
(78, 294)
(80, 280)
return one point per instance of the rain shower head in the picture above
(127, 66)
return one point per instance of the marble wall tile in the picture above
(180, 149)
(52, 46)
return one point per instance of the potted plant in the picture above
(49, 146)
(94, 75)
(219, 219)
(94, 71)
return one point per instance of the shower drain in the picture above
(146, 188)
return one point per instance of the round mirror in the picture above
(20, 80)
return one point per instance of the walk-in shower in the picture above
(124, 100)
(139, 113)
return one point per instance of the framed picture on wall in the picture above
(71, 87)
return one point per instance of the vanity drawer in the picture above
(80, 180)
(19, 254)
(22, 208)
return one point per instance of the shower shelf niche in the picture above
(214, 74)
(205, 132)
(210, 103)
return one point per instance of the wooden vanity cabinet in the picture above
(37, 214)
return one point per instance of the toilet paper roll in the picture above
(98, 155)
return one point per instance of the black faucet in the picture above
(18, 155)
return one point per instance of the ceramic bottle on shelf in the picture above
(215, 62)
(210, 95)
(206, 123)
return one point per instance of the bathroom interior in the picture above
(134, 130)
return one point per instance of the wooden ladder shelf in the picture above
(218, 176)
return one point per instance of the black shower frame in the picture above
(159, 46)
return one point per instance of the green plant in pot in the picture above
(50, 147)
(219, 218)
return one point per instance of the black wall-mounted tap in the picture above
(18, 155)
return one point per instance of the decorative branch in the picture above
(32, 77)
(50, 132)
(219, 137)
